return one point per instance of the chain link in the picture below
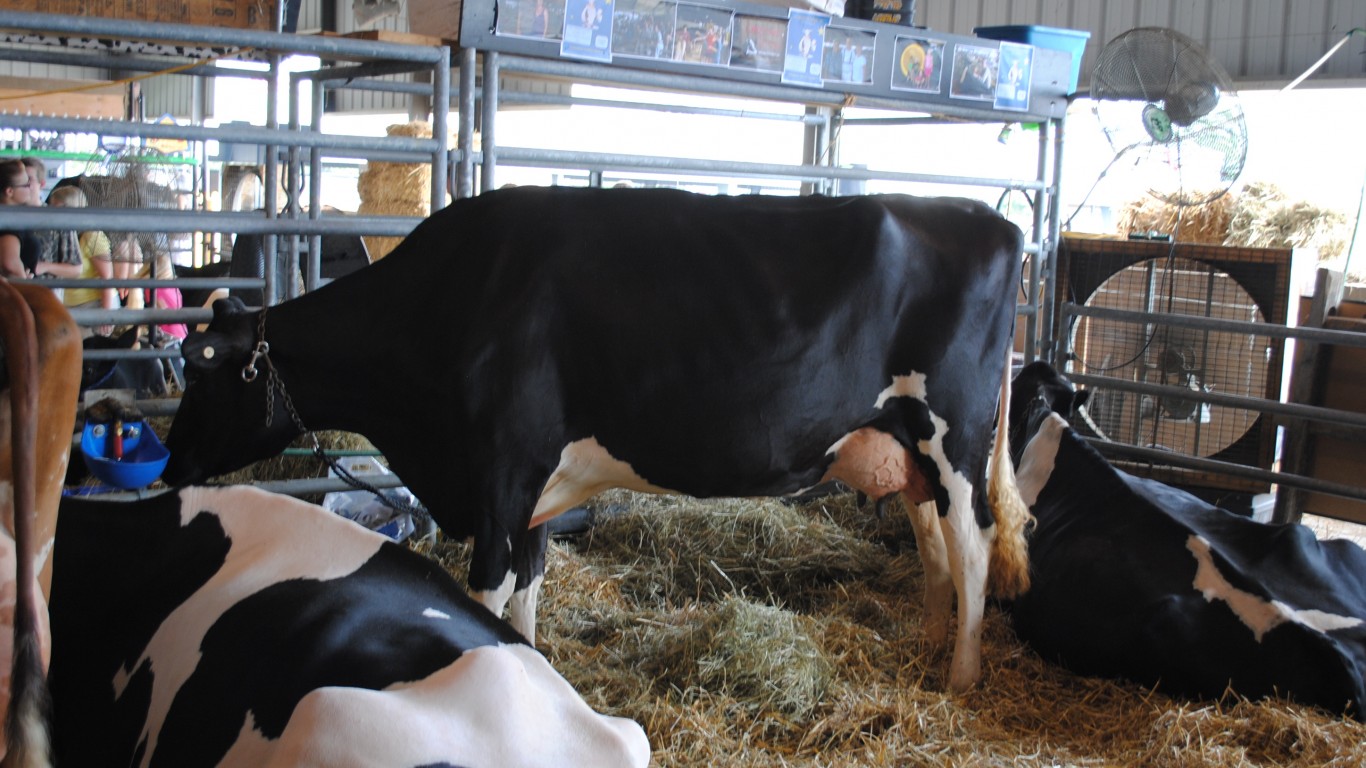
(274, 382)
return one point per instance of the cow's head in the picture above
(221, 424)
(94, 373)
(1038, 390)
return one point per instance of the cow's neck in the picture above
(336, 371)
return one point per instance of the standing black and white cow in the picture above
(525, 349)
(233, 627)
(1135, 579)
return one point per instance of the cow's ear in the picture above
(206, 351)
(1080, 398)
(228, 307)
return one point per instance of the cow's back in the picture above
(651, 313)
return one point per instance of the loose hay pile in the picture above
(762, 635)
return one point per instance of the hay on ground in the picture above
(635, 643)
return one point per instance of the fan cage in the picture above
(1244, 284)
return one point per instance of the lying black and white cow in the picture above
(1132, 578)
(232, 627)
(525, 349)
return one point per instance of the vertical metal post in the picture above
(488, 142)
(199, 188)
(810, 150)
(1042, 205)
(1049, 249)
(464, 175)
(313, 272)
(270, 243)
(292, 184)
(441, 109)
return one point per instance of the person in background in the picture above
(60, 253)
(19, 249)
(37, 178)
(158, 267)
(96, 259)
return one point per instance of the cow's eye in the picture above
(208, 353)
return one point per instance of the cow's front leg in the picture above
(934, 557)
(967, 551)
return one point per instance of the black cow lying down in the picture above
(525, 349)
(1135, 579)
(232, 627)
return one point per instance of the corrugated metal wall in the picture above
(1262, 43)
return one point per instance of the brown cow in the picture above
(42, 344)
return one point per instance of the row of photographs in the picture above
(807, 48)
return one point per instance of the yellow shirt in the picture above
(93, 245)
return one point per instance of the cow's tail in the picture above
(26, 726)
(1008, 570)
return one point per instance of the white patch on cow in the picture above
(585, 470)
(1260, 616)
(910, 385)
(432, 613)
(274, 539)
(1040, 455)
(496, 599)
(522, 610)
(475, 712)
(967, 545)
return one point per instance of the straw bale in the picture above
(395, 189)
(1206, 223)
(612, 622)
(1266, 218)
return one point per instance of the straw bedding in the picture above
(756, 634)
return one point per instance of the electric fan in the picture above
(1168, 109)
(1171, 116)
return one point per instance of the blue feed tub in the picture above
(144, 457)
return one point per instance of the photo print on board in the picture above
(702, 34)
(974, 73)
(1012, 86)
(758, 43)
(805, 47)
(587, 30)
(643, 28)
(917, 64)
(539, 19)
(849, 55)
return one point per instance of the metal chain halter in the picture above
(261, 352)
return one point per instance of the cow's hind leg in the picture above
(492, 578)
(530, 572)
(967, 545)
(929, 541)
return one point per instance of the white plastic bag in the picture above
(363, 508)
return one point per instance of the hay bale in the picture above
(1266, 218)
(1208, 223)
(395, 189)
